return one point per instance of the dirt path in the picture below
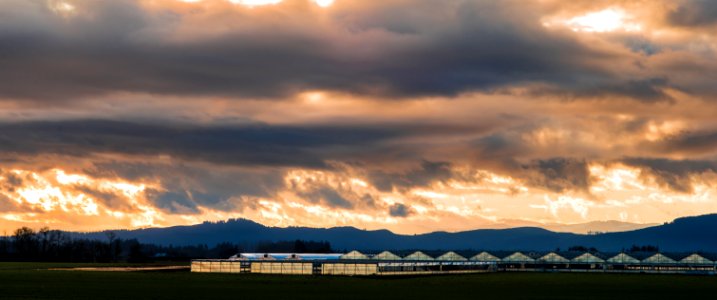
(124, 269)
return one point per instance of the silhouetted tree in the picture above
(135, 252)
(644, 248)
(25, 242)
(53, 245)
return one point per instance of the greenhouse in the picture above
(553, 257)
(288, 268)
(696, 259)
(485, 256)
(623, 259)
(552, 261)
(349, 269)
(697, 263)
(354, 255)
(659, 258)
(356, 263)
(418, 255)
(587, 258)
(451, 256)
(386, 255)
(518, 261)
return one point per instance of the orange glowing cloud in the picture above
(606, 20)
(479, 199)
(322, 3)
(412, 116)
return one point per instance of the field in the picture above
(31, 281)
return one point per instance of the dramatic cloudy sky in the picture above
(411, 115)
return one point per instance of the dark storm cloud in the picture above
(509, 153)
(11, 181)
(366, 47)
(559, 174)
(644, 89)
(244, 160)
(328, 197)
(674, 174)
(241, 145)
(693, 13)
(690, 142)
(186, 186)
(400, 210)
(502, 145)
(115, 200)
(172, 202)
(427, 173)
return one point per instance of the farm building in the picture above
(697, 260)
(518, 257)
(451, 256)
(486, 257)
(386, 255)
(418, 262)
(418, 255)
(623, 259)
(553, 261)
(552, 258)
(587, 258)
(354, 255)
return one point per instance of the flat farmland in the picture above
(44, 281)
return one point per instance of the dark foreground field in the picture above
(30, 281)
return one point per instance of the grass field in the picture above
(32, 281)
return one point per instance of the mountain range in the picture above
(682, 235)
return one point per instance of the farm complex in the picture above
(355, 263)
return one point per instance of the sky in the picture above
(409, 115)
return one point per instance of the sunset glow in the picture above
(321, 3)
(602, 21)
(62, 8)
(606, 20)
(434, 115)
(255, 2)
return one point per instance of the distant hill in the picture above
(583, 228)
(596, 226)
(684, 234)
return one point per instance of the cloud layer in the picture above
(410, 115)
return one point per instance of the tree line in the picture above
(633, 249)
(47, 245)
